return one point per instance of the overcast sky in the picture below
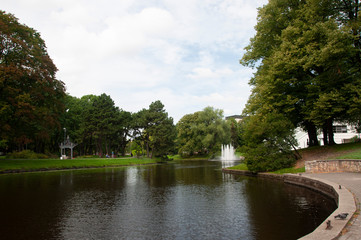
(184, 53)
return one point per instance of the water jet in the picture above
(228, 153)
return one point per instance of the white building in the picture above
(342, 134)
(238, 118)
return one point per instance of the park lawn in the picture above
(25, 165)
(352, 155)
(242, 167)
(290, 170)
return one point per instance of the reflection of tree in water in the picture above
(284, 211)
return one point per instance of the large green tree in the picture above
(155, 130)
(31, 98)
(269, 142)
(306, 63)
(203, 132)
(97, 125)
(307, 58)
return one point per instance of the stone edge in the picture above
(342, 196)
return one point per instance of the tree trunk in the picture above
(312, 134)
(147, 148)
(325, 136)
(331, 141)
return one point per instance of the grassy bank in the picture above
(26, 165)
(339, 151)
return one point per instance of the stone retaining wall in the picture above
(326, 166)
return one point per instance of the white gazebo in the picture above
(67, 144)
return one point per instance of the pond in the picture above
(180, 200)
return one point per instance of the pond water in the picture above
(181, 200)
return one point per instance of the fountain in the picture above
(228, 153)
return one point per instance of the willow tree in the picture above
(203, 132)
(30, 95)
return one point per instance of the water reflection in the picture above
(185, 200)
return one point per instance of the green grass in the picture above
(241, 166)
(352, 155)
(290, 170)
(54, 164)
(347, 146)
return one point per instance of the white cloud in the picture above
(184, 53)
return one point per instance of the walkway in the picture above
(352, 181)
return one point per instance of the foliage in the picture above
(308, 63)
(269, 142)
(96, 124)
(155, 130)
(136, 149)
(26, 154)
(202, 132)
(307, 55)
(30, 95)
(236, 133)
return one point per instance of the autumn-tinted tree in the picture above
(30, 95)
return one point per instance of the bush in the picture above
(89, 156)
(265, 158)
(355, 139)
(26, 154)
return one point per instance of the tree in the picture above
(156, 130)
(123, 127)
(305, 51)
(202, 132)
(187, 141)
(96, 124)
(235, 130)
(31, 98)
(269, 141)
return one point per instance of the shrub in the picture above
(26, 154)
(89, 156)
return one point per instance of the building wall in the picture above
(302, 136)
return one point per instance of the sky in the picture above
(184, 53)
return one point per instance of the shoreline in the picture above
(70, 167)
(15, 171)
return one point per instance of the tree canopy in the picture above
(155, 130)
(202, 132)
(31, 98)
(307, 59)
